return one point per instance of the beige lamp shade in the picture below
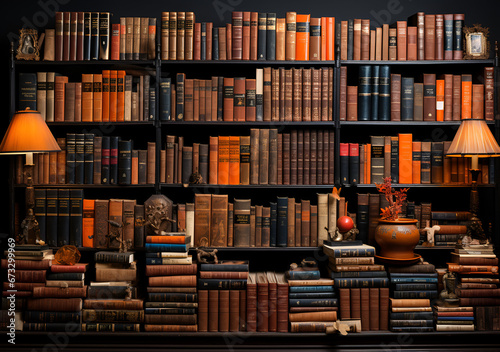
(474, 138)
(28, 133)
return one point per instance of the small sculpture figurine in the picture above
(305, 263)
(346, 236)
(430, 231)
(206, 256)
(447, 296)
(158, 214)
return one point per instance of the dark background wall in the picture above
(41, 14)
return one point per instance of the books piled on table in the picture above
(362, 285)
(454, 318)
(222, 291)
(413, 282)
(112, 303)
(64, 289)
(452, 224)
(414, 314)
(312, 300)
(172, 299)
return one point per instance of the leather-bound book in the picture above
(394, 159)
(251, 303)
(215, 89)
(228, 99)
(343, 40)
(344, 163)
(343, 94)
(273, 156)
(458, 24)
(352, 103)
(275, 91)
(313, 242)
(267, 94)
(375, 92)
(373, 43)
(407, 98)
(291, 222)
(307, 158)
(290, 40)
(384, 104)
(265, 231)
(234, 160)
(418, 102)
(139, 230)
(478, 101)
(237, 35)
(430, 36)
(124, 163)
(264, 156)
(315, 94)
(234, 310)
(188, 37)
(172, 41)
(245, 155)
(254, 155)
(377, 159)
(213, 160)
(307, 82)
(448, 97)
(297, 94)
(440, 37)
(305, 223)
(128, 220)
(439, 99)
(374, 308)
(101, 223)
(280, 38)
(273, 301)
(387, 156)
(350, 39)
(222, 47)
(218, 221)
(385, 41)
(116, 215)
(246, 36)
(466, 96)
(383, 308)
(365, 308)
(62, 218)
(448, 36)
(286, 158)
(332, 39)
(59, 36)
(213, 310)
(488, 93)
(378, 43)
(197, 41)
(239, 99)
(300, 157)
(254, 32)
(437, 162)
(262, 302)
(447, 161)
(353, 163)
(416, 161)
(151, 165)
(395, 97)
(418, 20)
(271, 36)
(364, 93)
(203, 310)
(457, 98)
(180, 96)
(302, 37)
(293, 156)
(405, 158)
(365, 39)
(202, 208)
(315, 39)
(229, 41)
(393, 44)
(241, 223)
(412, 43)
(223, 167)
(356, 39)
(429, 107)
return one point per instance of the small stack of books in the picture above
(362, 285)
(222, 296)
(116, 276)
(63, 292)
(454, 318)
(410, 315)
(172, 297)
(312, 300)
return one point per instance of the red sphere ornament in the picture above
(345, 223)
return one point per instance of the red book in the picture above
(246, 35)
(115, 41)
(237, 35)
(197, 41)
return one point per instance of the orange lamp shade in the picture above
(474, 138)
(28, 133)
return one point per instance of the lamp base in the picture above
(30, 230)
(475, 228)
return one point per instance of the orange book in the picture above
(213, 160)
(166, 239)
(368, 163)
(97, 97)
(466, 96)
(405, 158)
(234, 160)
(88, 223)
(416, 162)
(323, 39)
(113, 75)
(440, 100)
(228, 99)
(330, 38)
(223, 167)
(120, 96)
(302, 37)
(239, 99)
(87, 97)
(105, 94)
(135, 168)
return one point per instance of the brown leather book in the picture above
(101, 223)
(239, 99)
(383, 308)
(466, 96)
(171, 269)
(457, 98)
(203, 310)
(395, 97)
(306, 157)
(273, 304)
(267, 94)
(165, 18)
(241, 223)
(373, 43)
(172, 41)
(401, 40)
(286, 158)
(188, 36)
(385, 41)
(489, 94)
(412, 43)
(262, 302)
(325, 86)
(275, 81)
(439, 37)
(355, 300)
(297, 94)
(282, 93)
(213, 310)
(429, 96)
(209, 42)
(230, 227)
(237, 35)
(264, 156)
(420, 23)
(234, 310)
(254, 30)
(343, 94)
(352, 103)
(418, 102)
(280, 38)
(290, 40)
(315, 94)
(251, 303)
(393, 44)
(151, 164)
(222, 43)
(254, 156)
(228, 99)
(273, 156)
(305, 223)
(218, 221)
(298, 224)
(197, 41)
(128, 220)
(246, 36)
(448, 97)
(357, 39)
(293, 156)
(430, 36)
(245, 160)
(374, 308)
(306, 94)
(181, 35)
(288, 106)
(365, 308)
(202, 208)
(478, 101)
(315, 39)
(343, 40)
(291, 222)
(458, 20)
(229, 41)
(116, 215)
(282, 303)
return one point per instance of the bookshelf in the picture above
(343, 130)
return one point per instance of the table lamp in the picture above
(27, 134)
(474, 140)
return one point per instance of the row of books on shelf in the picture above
(110, 96)
(84, 36)
(86, 158)
(406, 161)
(264, 157)
(385, 96)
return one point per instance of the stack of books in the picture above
(363, 286)
(454, 318)
(410, 314)
(222, 295)
(172, 299)
(115, 280)
(312, 300)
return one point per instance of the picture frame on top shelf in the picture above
(476, 46)
(28, 48)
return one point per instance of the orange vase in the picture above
(397, 239)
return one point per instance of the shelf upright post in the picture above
(157, 124)
(336, 114)
(12, 110)
(496, 85)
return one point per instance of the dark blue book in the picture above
(79, 158)
(350, 282)
(51, 217)
(220, 98)
(226, 265)
(113, 160)
(274, 223)
(394, 160)
(448, 37)
(63, 207)
(169, 311)
(298, 289)
(434, 274)
(416, 294)
(300, 295)
(415, 287)
(411, 315)
(70, 157)
(65, 276)
(270, 36)
(413, 280)
(357, 274)
(54, 327)
(87, 37)
(125, 162)
(105, 158)
(350, 39)
(179, 104)
(407, 93)
(152, 104)
(455, 318)
(458, 24)
(88, 158)
(27, 91)
(262, 36)
(312, 302)
(364, 93)
(203, 44)
(222, 284)
(300, 274)
(165, 95)
(75, 217)
(375, 87)
(215, 44)
(53, 317)
(172, 297)
(412, 322)
(384, 93)
(412, 328)
(282, 223)
(94, 36)
(164, 247)
(40, 211)
(437, 150)
(353, 163)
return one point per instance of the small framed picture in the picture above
(28, 45)
(476, 43)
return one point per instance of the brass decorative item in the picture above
(207, 256)
(28, 48)
(158, 213)
(476, 44)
